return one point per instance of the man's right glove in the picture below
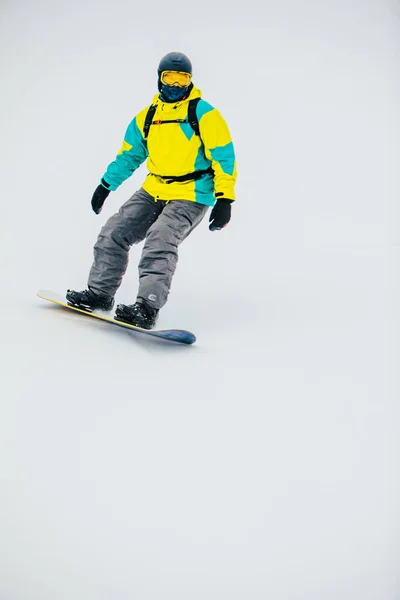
(220, 214)
(99, 196)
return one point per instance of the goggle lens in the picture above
(176, 77)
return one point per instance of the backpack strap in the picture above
(192, 116)
(149, 119)
(188, 176)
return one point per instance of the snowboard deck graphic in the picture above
(173, 335)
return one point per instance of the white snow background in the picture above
(260, 463)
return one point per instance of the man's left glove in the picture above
(220, 214)
(99, 196)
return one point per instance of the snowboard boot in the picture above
(139, 314)
(89, 301)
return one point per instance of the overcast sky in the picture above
(262, 462)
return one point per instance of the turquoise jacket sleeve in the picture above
(218, 148)
(132, 154)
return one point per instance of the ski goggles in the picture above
(176, 77)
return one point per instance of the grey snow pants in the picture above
(164, 225)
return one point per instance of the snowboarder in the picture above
(191, 163)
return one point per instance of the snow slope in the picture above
(262, 461)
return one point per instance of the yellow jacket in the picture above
(173, 149)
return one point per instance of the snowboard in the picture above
(172, 335)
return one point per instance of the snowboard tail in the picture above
(181, 336)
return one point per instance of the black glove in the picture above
(99, 196)
(220, 214)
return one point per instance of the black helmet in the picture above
(175, 61)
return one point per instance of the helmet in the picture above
(175, 61)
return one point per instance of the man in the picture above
(191, 163)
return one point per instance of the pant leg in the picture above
(111, 251)
(160, 252)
